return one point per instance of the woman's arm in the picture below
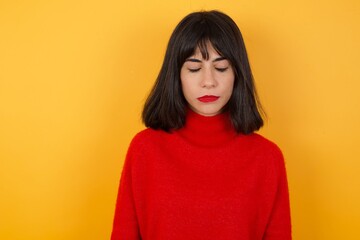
(279, 225)
(125, 225)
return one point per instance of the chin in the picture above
(207, 111)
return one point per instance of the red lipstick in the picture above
(208, 98)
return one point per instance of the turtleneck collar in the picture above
(207, 131)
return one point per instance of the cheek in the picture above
(185, 87)
(187, 90)
(229, 86)
(187, 84)
(183, 79)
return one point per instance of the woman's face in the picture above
(207, 84)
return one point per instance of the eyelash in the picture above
(222, 69)
(193, 70)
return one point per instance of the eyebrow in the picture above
(197, 60)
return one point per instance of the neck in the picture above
(207, 131)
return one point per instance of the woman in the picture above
(199, 171)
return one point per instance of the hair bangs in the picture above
(198, 36)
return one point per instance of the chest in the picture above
(201, 179)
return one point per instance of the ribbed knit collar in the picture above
(206, 131)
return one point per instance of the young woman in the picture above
(199, 171)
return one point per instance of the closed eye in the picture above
(194, 69)
(222, 69)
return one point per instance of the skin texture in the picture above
(200, 77)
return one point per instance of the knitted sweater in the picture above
(201, 182)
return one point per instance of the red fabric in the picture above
(202, 182)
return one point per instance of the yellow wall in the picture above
(74, 75)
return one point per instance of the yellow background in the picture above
(74, 76)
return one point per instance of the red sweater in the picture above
(202, 182)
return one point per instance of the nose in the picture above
(208, 79)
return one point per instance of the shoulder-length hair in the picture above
(165, 107)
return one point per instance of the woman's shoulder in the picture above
(142, 141)
(146, 136)
(263, 144)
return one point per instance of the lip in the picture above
(208, 98)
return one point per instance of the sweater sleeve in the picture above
(125, 224)
(279, 225)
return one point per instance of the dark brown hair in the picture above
(165, 108)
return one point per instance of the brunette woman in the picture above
(199, 171)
